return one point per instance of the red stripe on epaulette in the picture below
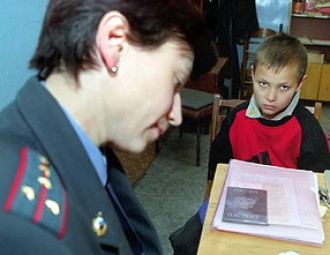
(41, 201)
(40, 205)
(17, 181)
(62, 231)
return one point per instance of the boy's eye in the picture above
(262, 84)
(284, 87)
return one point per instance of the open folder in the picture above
(271, 202)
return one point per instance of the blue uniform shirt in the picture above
(94, 154)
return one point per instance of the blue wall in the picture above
(19, 31)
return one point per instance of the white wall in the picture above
(19, 31)
(271, 13)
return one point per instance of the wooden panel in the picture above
(310, 88)
(314, 31)
(310, 27)
(324, 90)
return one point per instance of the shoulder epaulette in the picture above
(38, 194)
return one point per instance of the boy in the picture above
(274, 128)
(271, 128)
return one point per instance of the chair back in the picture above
(220, 109)
(316, 110)
(209, 82)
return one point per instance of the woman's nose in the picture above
(175, 115)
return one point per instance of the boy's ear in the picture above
(252, 72)
(111, 38)
(303, 79)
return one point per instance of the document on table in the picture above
(293, 206)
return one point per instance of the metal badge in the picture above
(28, 192)
(45, 170)
(45, 182)
(53, 207)
(99, 225)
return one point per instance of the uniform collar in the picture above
(94, 154)
(253, 110)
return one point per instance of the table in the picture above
(219, 242)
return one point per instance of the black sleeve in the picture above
(314, 149)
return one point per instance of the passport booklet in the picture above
(245, 205)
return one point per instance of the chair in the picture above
(316, 110)
(249, 47)
(209, 82)
(196, 105)
(220, 109)
(197, 98)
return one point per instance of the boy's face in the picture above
(274, 91)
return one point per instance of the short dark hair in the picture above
(277, 51)
(69, 29)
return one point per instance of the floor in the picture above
(173, 187)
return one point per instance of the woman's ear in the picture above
(303, 79)
(111, 38)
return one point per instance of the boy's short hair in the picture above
(280, 50)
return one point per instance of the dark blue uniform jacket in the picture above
(52, 201)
